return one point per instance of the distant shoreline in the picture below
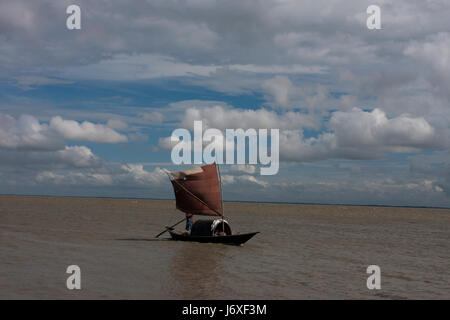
(231, 201)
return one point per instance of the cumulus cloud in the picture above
(167, 143)
(281, 93)
(138, 174)
(243, 179)
(70, 157)
(353, 134)
(434, 54)
(27, 133)
(86, 131)
(359, 134)
(247, 168)
(362, 128)
(280, 88)
(27, 143)
(435, 51)
(221, 117)
(74, 178)
(125, 175)
(224, 117)
(78, 156)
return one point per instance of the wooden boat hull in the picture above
(235, 239)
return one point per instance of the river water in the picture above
(302, 252)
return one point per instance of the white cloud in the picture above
(28, 143)
(139, 67)
(278, 69)
(354, 134)
(359, 134)
(74, 178)
(280, 92)
(435, 51)
(280, 87)
(70, 157)
(166, 143)
(434, 55)
(125, 175)
(140, 176)
(32, 81)
(86, 131)
(359, 128)
(221, 117)
(247, 168)
(78, 156)
(49, 176)
(27, 133)
(243, 179)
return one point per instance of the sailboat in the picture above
(198, 191)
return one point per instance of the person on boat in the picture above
(218, 233)
(189, 222)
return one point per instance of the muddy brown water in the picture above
(302, 252)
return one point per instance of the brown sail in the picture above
(197, 191)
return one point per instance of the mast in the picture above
(220, 186)
(221, 197)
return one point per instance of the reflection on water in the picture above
(197, 269)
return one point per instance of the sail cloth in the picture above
(197, 191)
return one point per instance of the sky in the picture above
(364, 115)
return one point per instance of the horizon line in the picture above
(241, 201)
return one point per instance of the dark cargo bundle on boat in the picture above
(210, 227)
(198, 191)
